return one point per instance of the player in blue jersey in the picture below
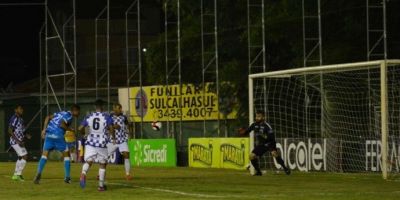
(121, 137)
(16, 130)
(53, 132)
(99, 125)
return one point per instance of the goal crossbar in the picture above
(325, 69)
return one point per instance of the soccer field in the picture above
(188, 183)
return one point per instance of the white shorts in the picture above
(21, 151)
(96, 154)
(123, 147)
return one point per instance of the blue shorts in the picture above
(55, 144)
(71, 145)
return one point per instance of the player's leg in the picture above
(102, 157)
(255, 163)
(257, 152)
(41, 165)
(89, 157)
(67, 167)
(21, 162)
(280, 161)
(102, 176)
(47, 146)
(111, 148)
(16, 171)
(72, 152)
(61, 145)
(123, 148)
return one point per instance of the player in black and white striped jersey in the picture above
(100, 125)
(121, 137)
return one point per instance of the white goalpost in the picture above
(337, 118)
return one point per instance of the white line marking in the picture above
(161, 190)
(170, 191)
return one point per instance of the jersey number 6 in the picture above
(96, 124)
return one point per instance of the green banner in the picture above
(153, 152)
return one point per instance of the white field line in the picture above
(229, 196)
(161, 190)
(171, 191)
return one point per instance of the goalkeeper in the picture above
(264, 141)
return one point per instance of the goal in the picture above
(338, 118)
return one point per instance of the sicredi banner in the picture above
(173, 103)
(152, 152)
(229, 153)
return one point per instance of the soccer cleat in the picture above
(128, 177)
(14, 177)
(82, 181)
(102, 189)
(258, 173)
(67, 180)
(287, 171)
(17, 178)
(36, 180)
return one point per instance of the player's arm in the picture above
(130, 135)
(243, 131)
(81, 128)
(28, 136)
(112, 132)
(116, 127)
(111, 129)
(270, 136)
(45, 123)
(64, 125)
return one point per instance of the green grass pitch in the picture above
(189, 183)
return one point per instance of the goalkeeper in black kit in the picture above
(264, 141)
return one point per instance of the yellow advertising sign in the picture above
(202, 152)
(175, 103)
(229, 153)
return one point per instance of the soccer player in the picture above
(53, 133)
(99, 125)
(121, 137)
(16, 130)
(264, 141)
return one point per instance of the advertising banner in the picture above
(153, 152)
(303, 154)
(229, 153)
(373, 155)
(173, 103)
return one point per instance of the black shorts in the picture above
(261, 149)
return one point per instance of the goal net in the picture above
(338, 118)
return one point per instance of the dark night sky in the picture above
(19, 42)
(19, 56)
(19, 28)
